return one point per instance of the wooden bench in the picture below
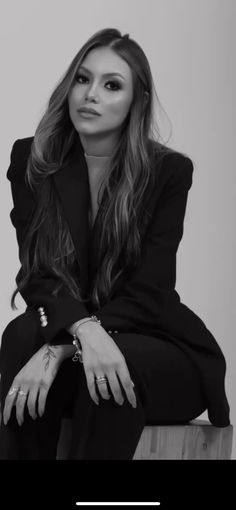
(197, 440)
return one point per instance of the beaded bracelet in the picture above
(78, 354)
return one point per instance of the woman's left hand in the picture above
(32, 382)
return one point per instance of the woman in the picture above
(99, 207)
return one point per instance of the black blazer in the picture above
(145, 301)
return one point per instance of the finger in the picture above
(127, 384)
(102, 387)
(20, 404)
(31, 402)
(115, 387)
(91, 386)
(43, 392)
(9, 403)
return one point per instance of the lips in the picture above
(88, 110)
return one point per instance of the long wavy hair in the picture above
(48, 245)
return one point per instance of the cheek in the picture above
(73, 103)
(119, 107)
(73, 98)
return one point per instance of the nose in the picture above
(92, 92)
(91, 97)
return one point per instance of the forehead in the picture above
(104, 61)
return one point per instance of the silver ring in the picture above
(12, 391)
(101, 379)
(22, 393)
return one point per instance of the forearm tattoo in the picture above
(48, 355)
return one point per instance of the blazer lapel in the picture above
(72, 185)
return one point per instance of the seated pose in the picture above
(99, 207)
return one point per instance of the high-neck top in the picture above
(97, 162)
(96, 157)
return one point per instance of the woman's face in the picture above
(111, 96)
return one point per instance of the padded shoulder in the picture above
(169, 163)
(24, 199)
(18, 159)
(180, 167)
(174, 173)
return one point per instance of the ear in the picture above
(146, 96)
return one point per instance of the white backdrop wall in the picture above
(190, 46)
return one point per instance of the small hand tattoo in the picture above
(48, 355)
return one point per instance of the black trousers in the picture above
(167, 387)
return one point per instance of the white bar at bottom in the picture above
(118, 503)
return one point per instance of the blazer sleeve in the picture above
(63, 310)
(148, 302)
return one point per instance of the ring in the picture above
(22, 393)
(12, 390)
(101, 380)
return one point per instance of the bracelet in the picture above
(78, 353)
(92, 318)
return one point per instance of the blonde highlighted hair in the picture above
(48, 244)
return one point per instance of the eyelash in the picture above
(113, 82)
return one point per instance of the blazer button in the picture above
(110, 331)
(41, 310)
(115, 331)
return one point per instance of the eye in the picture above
(114, 83)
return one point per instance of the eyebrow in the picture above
(105, 74)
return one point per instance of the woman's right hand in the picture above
(31, 384)
(102, 357)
